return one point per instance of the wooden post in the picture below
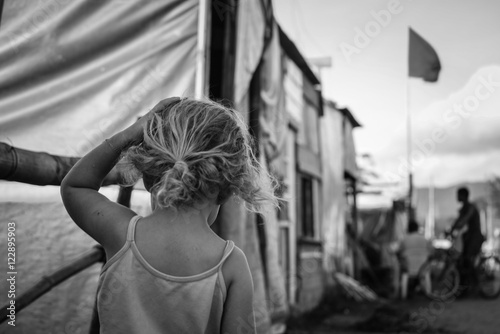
(229, 52)
(355, 255)
(124, 196)
(40, 168)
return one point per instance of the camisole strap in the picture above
(131, 228)
(227, 251)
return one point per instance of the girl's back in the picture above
(165, 295)
(177, 249)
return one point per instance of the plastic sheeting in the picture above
(334, 202)
(47, 239)
(274, 126)
(250, 36)
(349, 150)
(273, 118)
(76, 72)
(276, 290)
(235, 223)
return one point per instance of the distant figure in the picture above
(414, 249)
(413, 253)
(169, 272)
(496, 241)
(468, 223)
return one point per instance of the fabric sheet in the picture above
(333, 189)
(250, 37)
(76, 72)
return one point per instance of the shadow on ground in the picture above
(336, 314)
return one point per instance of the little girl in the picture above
(169, 272)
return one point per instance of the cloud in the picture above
(467, 121)
(448, 170)
(454, 140)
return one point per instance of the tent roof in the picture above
(296, 56)
(345, 111)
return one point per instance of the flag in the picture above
(423, 59)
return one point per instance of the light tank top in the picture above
(134, 297)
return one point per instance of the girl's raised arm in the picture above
(102, 219)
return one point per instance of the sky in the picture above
(455, 121)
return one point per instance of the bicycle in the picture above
(488, 274)
(440, 277)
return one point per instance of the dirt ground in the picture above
(467, 315)
(472, 315)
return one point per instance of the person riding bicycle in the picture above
(468, 220)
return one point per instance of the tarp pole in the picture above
(199, 86)
(409, 141)
(1, 10)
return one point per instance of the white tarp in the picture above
(273, 126)
(250, 36)
(75, 72)
(334, 202)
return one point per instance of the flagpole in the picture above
(430, 223)
(409, 138)
(423, 62)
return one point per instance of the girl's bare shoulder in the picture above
(236, 266)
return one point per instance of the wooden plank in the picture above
(40, 168)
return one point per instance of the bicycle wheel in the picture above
(488, 275)
(438, 279)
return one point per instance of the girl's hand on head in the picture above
(135, 132)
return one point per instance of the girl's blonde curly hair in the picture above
(195, 149)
